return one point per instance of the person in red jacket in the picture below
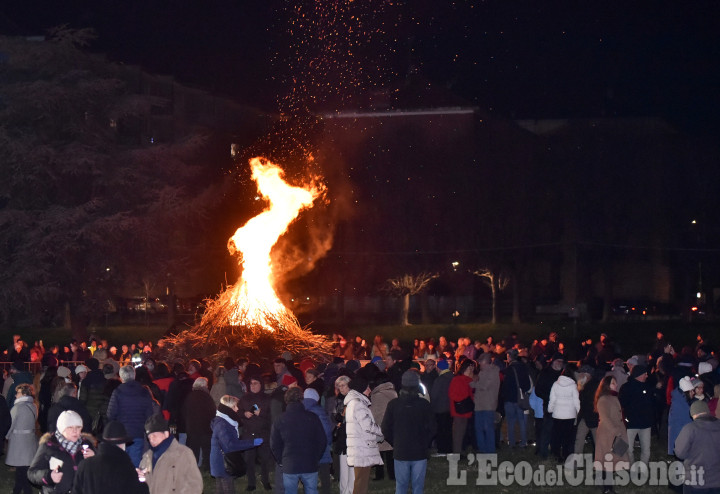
(459, 390)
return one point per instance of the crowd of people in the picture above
(130, 420)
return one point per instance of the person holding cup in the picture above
(59, 454)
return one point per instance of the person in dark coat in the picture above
(132, 404)
(198, 412)
(110, 471)
(636, 400)
(587, 418)
(20, 375)
(515, 377)
(60, 454)
(225, 439)
(546, 379)
(66, 399)
(298, 442)
(440, 403)
(91, 391)
(45, 396)
(254, 410)
(408, 425)
(178, 390)
(311, 403)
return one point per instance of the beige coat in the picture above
(611, 425)
(176, 471)
(487, 389)
(379, 399)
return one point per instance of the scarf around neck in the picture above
(69, 446)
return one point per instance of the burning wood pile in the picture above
(248, 318)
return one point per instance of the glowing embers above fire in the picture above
(253, 301)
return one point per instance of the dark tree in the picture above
(87, 206)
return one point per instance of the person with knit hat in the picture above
(636, 399)
(311, 401)
(110, 471)
(679, 413)
(60, 453)
(168, 466)
(696, 445)
(409, 426)
(363, 434)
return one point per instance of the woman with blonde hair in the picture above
(611, 432)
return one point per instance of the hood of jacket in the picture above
(489, 371)
(354, 395)
(383, 388)
(565, 381)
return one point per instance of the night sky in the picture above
(517, 59)
(510, 59)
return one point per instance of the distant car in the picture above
(142, 304)
(642, 308)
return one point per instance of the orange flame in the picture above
(254, 297)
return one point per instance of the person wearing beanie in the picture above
(254, 409)
(409, 426)
(59, 454)
(110, 471)
(363, 434)
(225, 439)
(311, 402)
(440, 403)
(167, 466)
(697, 444)
(18, 375)
(679, 413)
(636, 399)
(383, 392)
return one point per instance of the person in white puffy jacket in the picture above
(363, 434)
(564, 406)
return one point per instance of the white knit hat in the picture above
(704, 368)
(67, 419)
(686, 384)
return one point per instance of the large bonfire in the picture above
(249, 318)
